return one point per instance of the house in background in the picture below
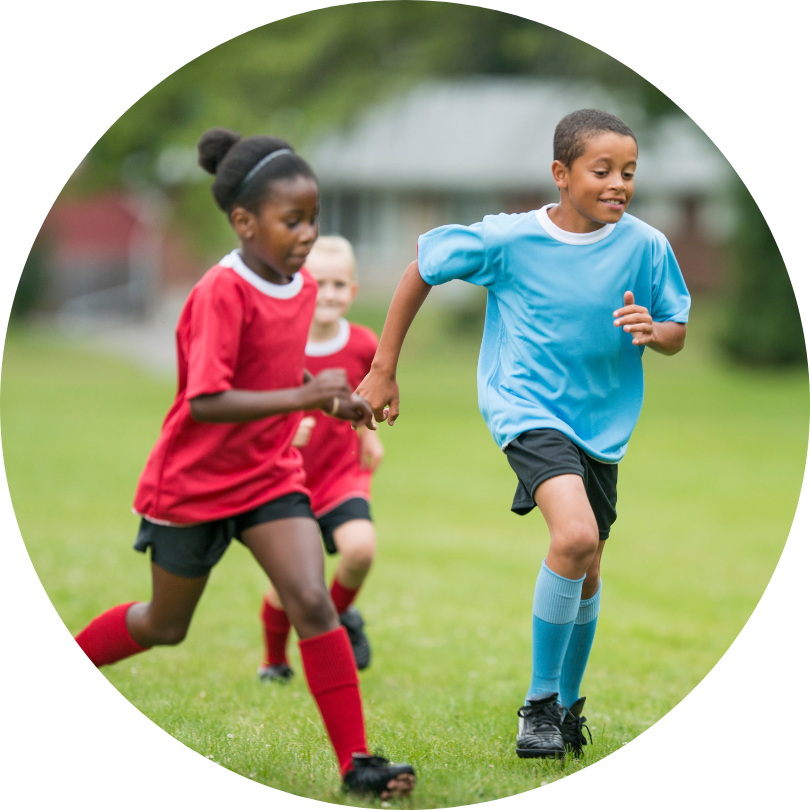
(454, 151)
(448, 151)
(109, 255)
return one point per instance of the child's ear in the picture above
(559, 171)
(243, 222)
(355, 287)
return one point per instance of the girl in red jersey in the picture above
(338, 461)
(224, 467)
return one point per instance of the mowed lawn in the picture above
(707, 494)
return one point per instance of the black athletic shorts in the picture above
(353, 509)
(192, 551)
(538, 455)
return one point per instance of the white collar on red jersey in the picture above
(333, 346)
(234, 261)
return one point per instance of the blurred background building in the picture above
(447, 151)
(413, 115)
(455, 151)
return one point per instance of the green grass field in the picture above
(706, 498)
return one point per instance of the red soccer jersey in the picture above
(332, 457)
(239, 331)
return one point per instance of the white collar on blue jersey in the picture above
(567, 236)
(234, 261)
(333, 346)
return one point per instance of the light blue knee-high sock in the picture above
(579, 648)
(556, 602)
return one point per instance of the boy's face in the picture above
(599, 183)
(336, 285)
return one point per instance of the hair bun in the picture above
(214, 145)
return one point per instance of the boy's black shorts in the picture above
(353, 509)
(192, 551)
(538, 455)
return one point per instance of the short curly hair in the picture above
(576, 128)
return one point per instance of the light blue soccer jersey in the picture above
(551, 356)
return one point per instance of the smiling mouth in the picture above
(613, 202)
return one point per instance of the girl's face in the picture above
(277, 240)
(336, 285)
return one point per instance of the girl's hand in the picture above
(324, 389)
(371, 451)
(304, 432)
(382, 392)
(636, 320)
(353, 409)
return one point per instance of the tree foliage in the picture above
(315, 70)
(763, 326)
(297, 77)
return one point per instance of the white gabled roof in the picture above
(494, 134)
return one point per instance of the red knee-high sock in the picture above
(276, 630)
(106, 639)
(342, 596)
(332, 677)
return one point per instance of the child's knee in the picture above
(357, 545)
(360, 556)
(579, 541)
(313, 605)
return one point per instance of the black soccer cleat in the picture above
(376, 776)
(280, 673)
(352, 620)
(572, 724)
(539, 733)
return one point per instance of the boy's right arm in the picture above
(380, 387)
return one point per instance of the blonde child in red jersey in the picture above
(338, 461)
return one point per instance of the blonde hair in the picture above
(336, 246)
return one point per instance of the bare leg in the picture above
(290, 553)
(273, 598)
(571, 523)
(591, 584)
(166, 618)
(356, 542)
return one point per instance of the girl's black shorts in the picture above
(538, 455)
(192, 551)
(353, 509)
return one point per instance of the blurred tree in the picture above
(33, 281)
(763, 326)
(298, 76)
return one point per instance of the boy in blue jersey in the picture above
(575, 292)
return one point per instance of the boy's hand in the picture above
(304, 432)
(636, 320)
(382, 392)
(371, 451)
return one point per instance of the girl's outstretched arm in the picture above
(380, 387)
(328, 391)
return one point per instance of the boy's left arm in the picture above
(666, 337)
